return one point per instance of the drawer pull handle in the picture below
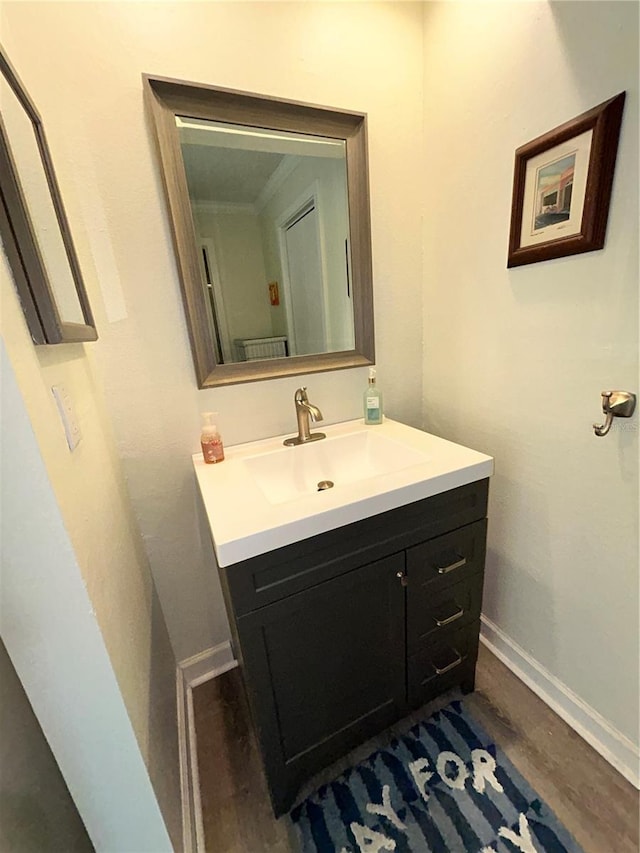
(449, 666)
(441, 622)
(443, 570)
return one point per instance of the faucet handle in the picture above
(301, 395)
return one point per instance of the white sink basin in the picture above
(265, 496)
(288, 473)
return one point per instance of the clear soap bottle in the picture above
(210, 441)
(372, 400)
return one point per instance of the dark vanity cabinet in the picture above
(342, 634)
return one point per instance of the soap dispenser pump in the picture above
(372, 400)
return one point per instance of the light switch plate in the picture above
(71, 426)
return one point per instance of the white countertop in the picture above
(245, 523)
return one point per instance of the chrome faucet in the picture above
(304, 411)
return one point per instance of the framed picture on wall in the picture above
(562, 187)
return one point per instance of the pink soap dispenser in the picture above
(210, 441)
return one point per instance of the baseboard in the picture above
(190, 673)
(186, 791)
(617, 749)
(208, 664)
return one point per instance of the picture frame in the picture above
(562, 187)
(33, 225)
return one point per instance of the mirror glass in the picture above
(270, 212)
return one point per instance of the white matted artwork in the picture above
(554, 191)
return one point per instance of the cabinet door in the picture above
(325, 670)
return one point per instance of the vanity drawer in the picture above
(441, 665)
(447, 559)
(432, 609)
(277, 574)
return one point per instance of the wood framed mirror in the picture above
(269, 207)
(33, 224)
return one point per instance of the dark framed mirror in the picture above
(33, 224)
(268, 201)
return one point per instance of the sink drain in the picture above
(325, 484)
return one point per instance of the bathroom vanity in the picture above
(348, 607)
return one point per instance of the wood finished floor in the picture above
(593, 801)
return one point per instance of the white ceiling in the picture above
(227, 175)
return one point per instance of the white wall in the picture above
(87, 84)
(96, 510)
(515, 360)
(52, 633)
(108, 615)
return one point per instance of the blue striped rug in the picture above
(444, 787)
